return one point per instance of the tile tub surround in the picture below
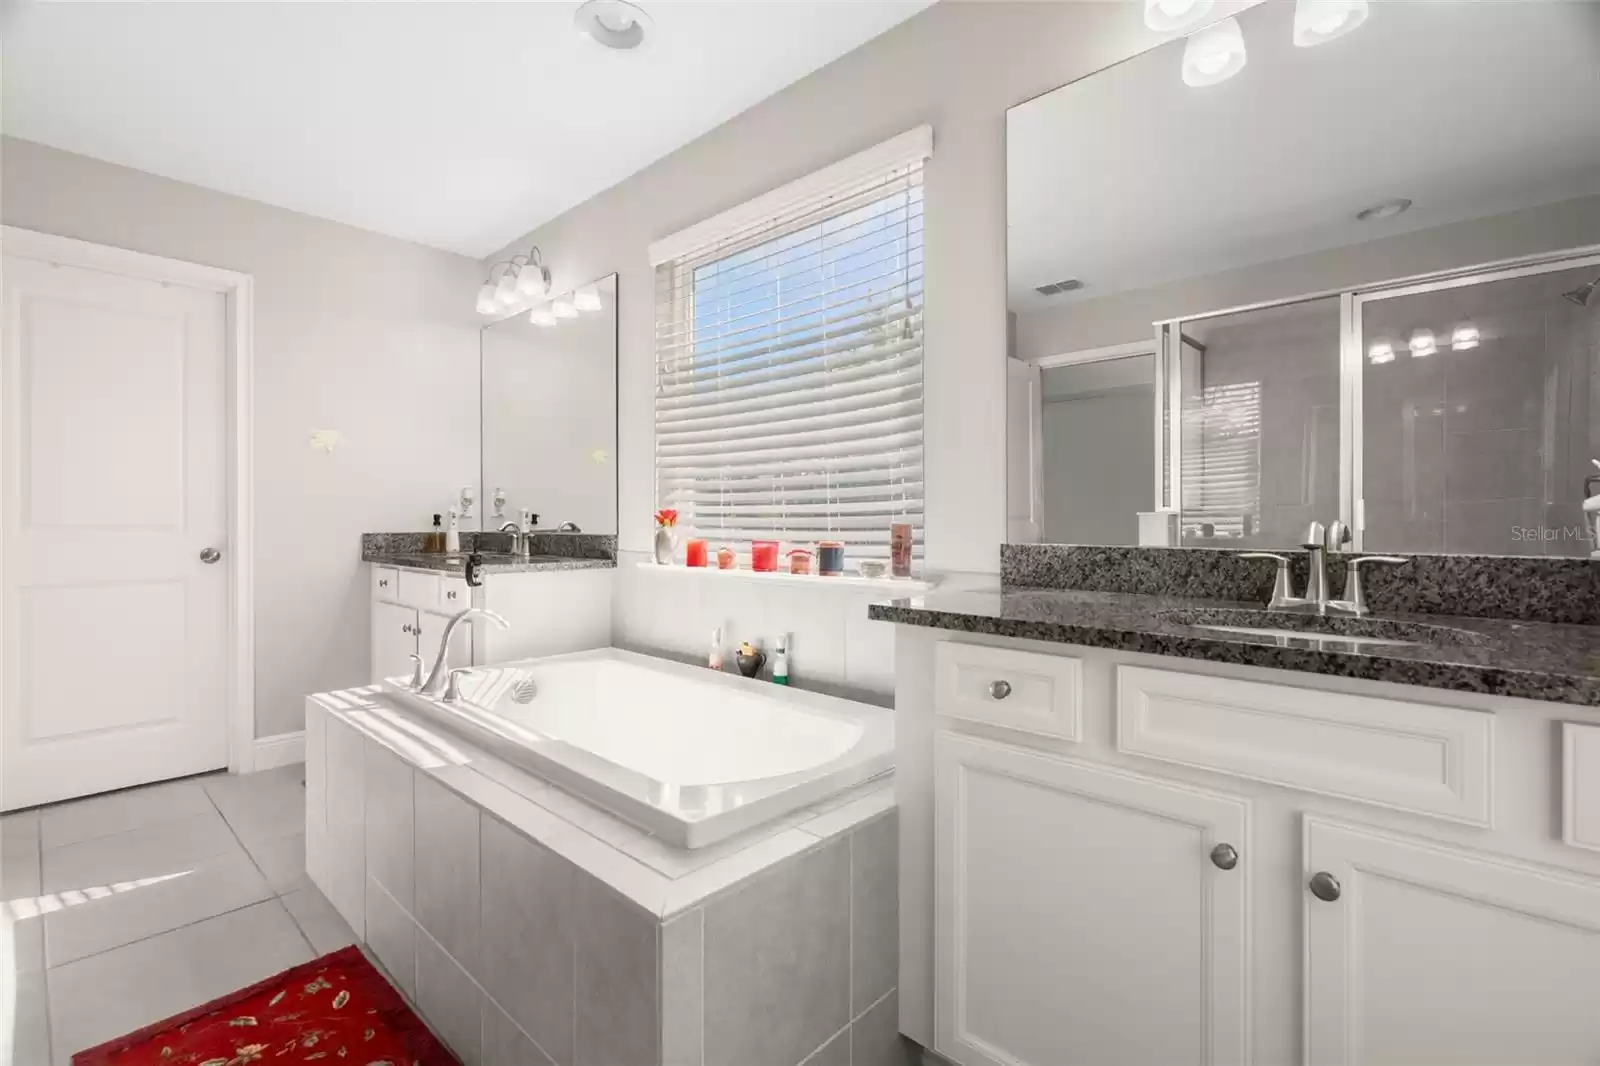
(1526, 589)
(546, 551)
(1528, 660)
(577, 934)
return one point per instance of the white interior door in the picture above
(112, 399)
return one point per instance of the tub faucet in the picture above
(441, 670)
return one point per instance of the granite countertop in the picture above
(493, 562)
(1530, 660)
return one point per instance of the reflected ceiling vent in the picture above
(1056, 288)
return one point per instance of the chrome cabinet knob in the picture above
(407, 628)
(1224, 856)
(1325, 886)
(209, 555)
(999, 690)
(383, 582)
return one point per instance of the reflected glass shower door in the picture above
(1480, 412)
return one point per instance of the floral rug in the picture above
(336, 1010)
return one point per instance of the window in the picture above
(789, 360)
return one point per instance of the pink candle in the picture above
(695, 553)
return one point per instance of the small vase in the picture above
(666, 544)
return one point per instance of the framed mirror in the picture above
(549, 398)
(1355, 280)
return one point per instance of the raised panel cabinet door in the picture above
(432, 631)
(1418, 953)
(394, 640)
(1084, 915)
(113, 410)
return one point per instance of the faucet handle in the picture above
(416, 671)
(1282, 591)
(452, 688)
(1355, 595)
(1316, 537)
(1337, 537)
(1393, 560)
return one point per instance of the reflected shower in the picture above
(1582, 293)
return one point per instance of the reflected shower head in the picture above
(1582, 293)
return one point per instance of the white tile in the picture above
(704, 883)
(389, 822)
(152, 851)
(316, 766)
(19, 855)
(118, 991)
(814, 619)
(447, 870)
(592, 820)
(262, 805)
(21, 942)
(506, 1045)
(118, 812)
(87, 924)
(869, 650)
(392, 936)
(345, 847)
(450, 1001)
(682, 989)
(851, 814)
(674, 862)
(27, 1042)
(282, 861)
(318, 920)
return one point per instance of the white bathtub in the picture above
(690, 755)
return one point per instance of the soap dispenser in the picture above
(452, 536)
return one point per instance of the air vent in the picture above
(1057, 287)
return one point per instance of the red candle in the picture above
(695, 553)
(764, 556)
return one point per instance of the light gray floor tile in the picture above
(282, 861)
(117, 991)
(88, 924)
(318, 920)
(118, 812)
(264, 805)
(152, 851)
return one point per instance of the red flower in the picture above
(666, 517)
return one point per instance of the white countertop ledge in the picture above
(908, 585)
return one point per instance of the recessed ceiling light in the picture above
(1213, 54)
(1161, 15)
(612, 23)
(1386, 209)
(1422, 343)
(1320, 21)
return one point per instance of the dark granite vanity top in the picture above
(1531, 660)
(546, 551)
(493, 562)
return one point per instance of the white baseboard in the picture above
(280, 750)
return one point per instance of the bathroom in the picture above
(1205, 281)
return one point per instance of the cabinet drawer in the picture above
(454, 595)
(1392, 753)
(1580, 785)
(1019, 689)
(419, 590)
(385, 583)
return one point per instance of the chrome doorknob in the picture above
(999, 690)
(209, 555)
(1224, 856)
(1325, 886)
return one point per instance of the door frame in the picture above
(238, 290)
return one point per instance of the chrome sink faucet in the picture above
(1319, 543)
(519, 538)
(441, 667)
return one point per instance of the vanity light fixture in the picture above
(1422, 343)
(1320, 21)
(587, 298)
(1381, 352)
(513, 282)
(563, 307)
(1213, 54)
(614, 24)
(542, 316)
(533, 277)
(1163, 15)
(1464, 337)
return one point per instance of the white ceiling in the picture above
(1129, 178)
(457, 125)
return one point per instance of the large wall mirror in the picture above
(550, 414)
(1354, 280)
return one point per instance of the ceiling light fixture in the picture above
(563, 307)
(1213, 54)
(1320, 21)
(1422, 343)
(1163, 15)
(513, 282)
(587, 298)
(1386, 209)
(1381, 352)
(542, 316)
(1464, 337)
(612, 23)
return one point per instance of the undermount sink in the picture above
(1286, 626)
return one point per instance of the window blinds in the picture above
(788, 399)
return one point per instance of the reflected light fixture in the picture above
(613, 24)
(1463, 337)
(542, 316)
(1162, 15)
(487, 303)
(1422, 343)
(1320, 21)
(1213, 54)
(1381, 352)
(563, 307)
(587, 298)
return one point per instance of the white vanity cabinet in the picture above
(410, 609)
(1159, 860)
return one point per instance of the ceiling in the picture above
(456, 125)
(1130, 178)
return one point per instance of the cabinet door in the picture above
(1429, 954)
(1080, 916)
(394, 640)
(432, 630)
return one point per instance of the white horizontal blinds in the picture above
(1222, 458)
(789, 372)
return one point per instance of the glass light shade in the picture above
(587, 298)
(1382, 352)
(533, 281)
(1422, 343)
(488, 302)
(506, 291)
(1319, 21)
(1161, 15)
(1463, 337)
(542, 316)
(1213, 54)
(563, 307)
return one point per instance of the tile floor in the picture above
(122, 909)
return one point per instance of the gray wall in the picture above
(1099, 466)
(370, 336)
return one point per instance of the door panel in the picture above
(112, 398)
(394, 641)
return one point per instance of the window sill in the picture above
(906, 585)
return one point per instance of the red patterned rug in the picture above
(334, 1010)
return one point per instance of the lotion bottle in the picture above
(714, 660)
(780, 659)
